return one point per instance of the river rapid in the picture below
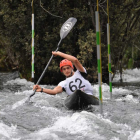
(45, 117)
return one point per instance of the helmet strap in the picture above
(70, 74)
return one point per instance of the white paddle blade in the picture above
(67, 26)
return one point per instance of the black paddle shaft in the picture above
(44, 71)
(47, 65)
(65, 29)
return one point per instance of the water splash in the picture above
(7, 132)
(19, 103)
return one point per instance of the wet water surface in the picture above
(45, 117)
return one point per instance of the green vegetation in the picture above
(15, 35)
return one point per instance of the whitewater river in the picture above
(45, 118)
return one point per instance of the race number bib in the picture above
(74, 87)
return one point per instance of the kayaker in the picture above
(74, 79)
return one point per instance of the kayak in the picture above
(80, 100)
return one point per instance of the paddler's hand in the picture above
(37, 87)
(54, 53)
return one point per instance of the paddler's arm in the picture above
(54, 91)
(73, 59)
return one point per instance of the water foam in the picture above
(8, 132)
(136, 136)
(19, 81)
(19, 103)
(128, 75)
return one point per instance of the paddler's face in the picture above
(66, 70)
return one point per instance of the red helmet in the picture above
(65, 62)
